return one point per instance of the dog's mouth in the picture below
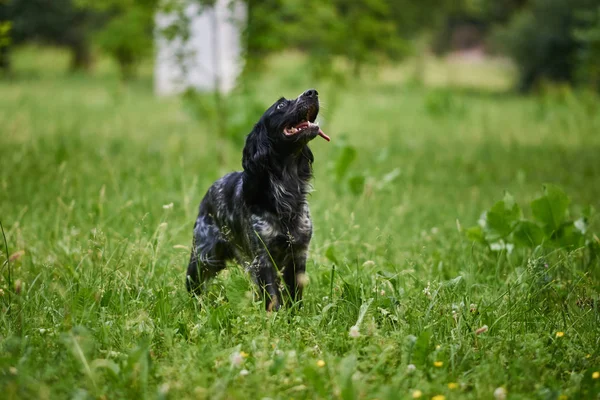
(306, 124)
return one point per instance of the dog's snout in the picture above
(310, 93)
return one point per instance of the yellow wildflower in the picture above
(560, 334)
(453, 385)
(596, 375)
(320, 363)
(439, 397)
(438, 363)
(416, 394)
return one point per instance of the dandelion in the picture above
(500, 393)
(560, 334)
(168, 206)
(416, 394)
(596, 375)
(320, 363)
(439, 397)
(481, 330)
(453, 385)
(410, 368)
(244, 372)
(354, 332)
(588, 356)
(438, 364)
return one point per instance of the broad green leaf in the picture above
(475, 233)
(422, 349)
(568, 236)
(502, 218)
(357, 184)
(551, 208)
(330, 254)
(344, 160)
(347, 369)
(529, 234)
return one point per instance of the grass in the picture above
(96, 305)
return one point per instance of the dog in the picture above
(260, 217)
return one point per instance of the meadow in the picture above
(99, 187)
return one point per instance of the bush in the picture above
(503, 227)
(542, 40)
(127, 38)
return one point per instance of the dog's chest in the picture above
(273, 230)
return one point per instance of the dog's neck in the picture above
(283, 185)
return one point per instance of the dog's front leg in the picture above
(295, 277)
(266, 277)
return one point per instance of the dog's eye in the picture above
(280, 105)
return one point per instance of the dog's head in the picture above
(293, 121)
(283, 130)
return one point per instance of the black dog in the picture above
(260, 216)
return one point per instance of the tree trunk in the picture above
(5, 59)
(81, 55)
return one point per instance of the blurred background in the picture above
(545, 40)
(149, 101)
(117, 115)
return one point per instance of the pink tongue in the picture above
(321, 133)
(324, 136)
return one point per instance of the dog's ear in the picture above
(256, 151)
(307, 153)
(305, 163)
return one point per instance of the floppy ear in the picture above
(305, 163)
(307, 153)
(256, 151)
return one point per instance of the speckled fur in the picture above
(260, 216)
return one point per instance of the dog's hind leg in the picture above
(210, 252)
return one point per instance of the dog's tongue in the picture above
(306, 124)
(324, 136)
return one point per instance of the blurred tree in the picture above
(58, 22)
(128, 35)
(541, 39)
(588, 56)
(5, 39)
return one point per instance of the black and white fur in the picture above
(260, 216)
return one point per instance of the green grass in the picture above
(96, 306)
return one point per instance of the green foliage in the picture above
(540, 38)
(588, 34)
(59, 22)
(99, 189)
(503, 226)
(127, 37)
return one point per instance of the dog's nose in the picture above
(310, 93)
